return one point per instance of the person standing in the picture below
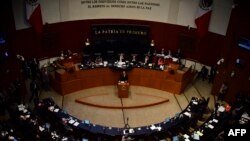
(203, 73)
(133, 58)
(146, 60)
(212, 74)
(17, 97)
(34, 66)
(124, 77)
(121, 57)
(45, 78)
(223, 91)
(34, 89)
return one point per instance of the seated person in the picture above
(160, 61)
(146, 60)
(162, 51)
(124, 76)
(179, 55)
(154, 59)
(121, 57)
(152, 44)
(98, 60)
(86, 61)
(87, 43)
(134, 60)
(62, 55)
(69, 53)
(169, 54)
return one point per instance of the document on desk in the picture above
(215, 120)
(245, 116)
(131, 130)
(199, 133)
(211, 126)
(56, 110)
(27, 116)
(221, 109)
(25, 111)
(126, 131)
(187, 114)
(195, 102)
(41, 128)
(64, 139)
(71, 121)
(20, 108)
(152, 127)
(196, 136)
(76, 123)
(186, 136)
(159, 128)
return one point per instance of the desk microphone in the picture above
(127, 125)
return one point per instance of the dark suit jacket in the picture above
(124, 78)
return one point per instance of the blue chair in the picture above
(175, 138)
(86, 122)
(167, 119)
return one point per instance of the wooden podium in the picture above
(123, 89)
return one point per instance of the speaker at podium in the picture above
(123, 89)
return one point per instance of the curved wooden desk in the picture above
(64, 82)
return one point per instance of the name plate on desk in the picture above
(187, 114)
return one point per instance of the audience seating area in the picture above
(48, 121)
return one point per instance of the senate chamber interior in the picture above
(124, 70)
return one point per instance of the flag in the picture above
(203, 16)
(34, 15)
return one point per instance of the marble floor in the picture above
(134, 117)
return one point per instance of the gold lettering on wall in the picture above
(130, 4)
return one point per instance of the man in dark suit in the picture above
(45, 78)
(223, 91)
(124, 77)
(34, 89)
(212, 74)
(203, 73)
(146, 60)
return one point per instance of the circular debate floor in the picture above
(111, 100)
(164, 105)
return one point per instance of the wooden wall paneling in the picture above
(72, 35)
(106, 76)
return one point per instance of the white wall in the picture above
(220, 16)
(18, 12)
(50, 10)
(180, 12)
(195, 64)
(187, 12)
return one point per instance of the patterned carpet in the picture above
(107, 95)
